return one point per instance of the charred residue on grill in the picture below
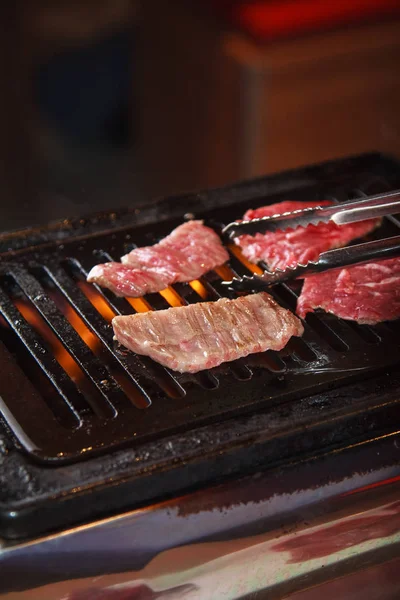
(332, 351)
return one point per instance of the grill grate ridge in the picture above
(87, 361)
(164, 376)
(63, 385)
(91, 318)
(332, 350)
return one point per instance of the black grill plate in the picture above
(112, 400)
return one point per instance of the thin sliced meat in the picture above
(125, 281)
(367, 293)
(204, 335)
(186, 253)
(171, 263)
(191, 250)
(287, 248)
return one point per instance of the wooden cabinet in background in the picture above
(217, 107)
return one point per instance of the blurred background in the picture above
(108, 103)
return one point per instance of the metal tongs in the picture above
(340, 214)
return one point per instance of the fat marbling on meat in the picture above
(125, 281)
(368, 293)
(280, 249)
(188, 252)
(204, 335)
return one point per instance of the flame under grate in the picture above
(92, 395)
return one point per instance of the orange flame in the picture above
(224, 272)
(87, 336)
(63, 357)
(96, 300)
(139, 304)
(60, 353)
(249, 265)
(172, 297)
(199, 288)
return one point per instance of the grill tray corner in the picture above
(68, 394)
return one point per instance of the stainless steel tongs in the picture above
(341, 214)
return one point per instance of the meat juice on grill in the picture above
(367, 293)
(188, 252)
(204, 335)
(282, 249)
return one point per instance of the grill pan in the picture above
(69, 394)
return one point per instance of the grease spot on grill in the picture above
(300, 350)
(199, 403)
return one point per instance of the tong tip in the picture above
(231, 229)
(267, 278)
(251, 282)
(300, 217)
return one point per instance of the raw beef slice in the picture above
(281, 249)
(367, 293)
